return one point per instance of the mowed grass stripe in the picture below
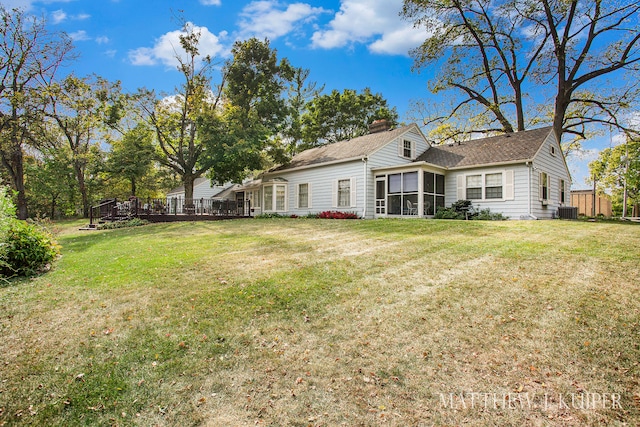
(321, 322)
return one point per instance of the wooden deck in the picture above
(161, 210)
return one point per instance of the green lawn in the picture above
(326, 322)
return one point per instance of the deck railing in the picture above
(113, 210)
(182, 206)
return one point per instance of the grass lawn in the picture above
(325, 322)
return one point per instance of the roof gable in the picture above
(344, 150)
(507, 148)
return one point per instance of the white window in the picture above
(344, 193)
(280, 197)
(474, 187)
(544, 186)
(406, 149)
(304, 196)
(486, 186)
(275, 197)
(562, 192)
(552, 149)
(493, 186)
(268, 198)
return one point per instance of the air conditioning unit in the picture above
(545, 202)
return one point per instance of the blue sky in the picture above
(345, 43)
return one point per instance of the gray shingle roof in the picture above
(343, 150)
(514, 147)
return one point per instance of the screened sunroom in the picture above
(408, 192)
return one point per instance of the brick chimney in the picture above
(380, 125)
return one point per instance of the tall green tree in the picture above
(51, 182)
(617, 170)
(174, 119)
(83, 111)
(299, 94)
(503, 60)
(243, 136)
(30, 57)
(132, 156)
(344, 115)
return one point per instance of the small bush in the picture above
(487, 215)
(27, 250)
(134, 222)
(270, 215)
(448, 213)
(337, 215)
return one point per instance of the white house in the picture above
(398, 173)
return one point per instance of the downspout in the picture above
(364, 176)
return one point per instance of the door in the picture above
(381, 195)
(240, 203)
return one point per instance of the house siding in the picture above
(321, 180)
(388, 156)
(513, 209)
(555, 167)
(204, 190)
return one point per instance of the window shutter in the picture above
(334, 194)
(400, 148)
(460, 187)
(540, 185)
(509, 193)
(413, 150)
(352, 193)
(297, 196)
(309, 196)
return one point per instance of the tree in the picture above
(84, 110)
(29, 59)
(617, 170)
(132, 156)
(300, 94)
(494, 53)
(51, 182)
(174, 118)
(242, 136)
(338, 116)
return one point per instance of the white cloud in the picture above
(102, 40)
(78, 36)
(210, 2)
(398, 41)
(58, 16)
(373, 22)
(166, 48)
(269, 18)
